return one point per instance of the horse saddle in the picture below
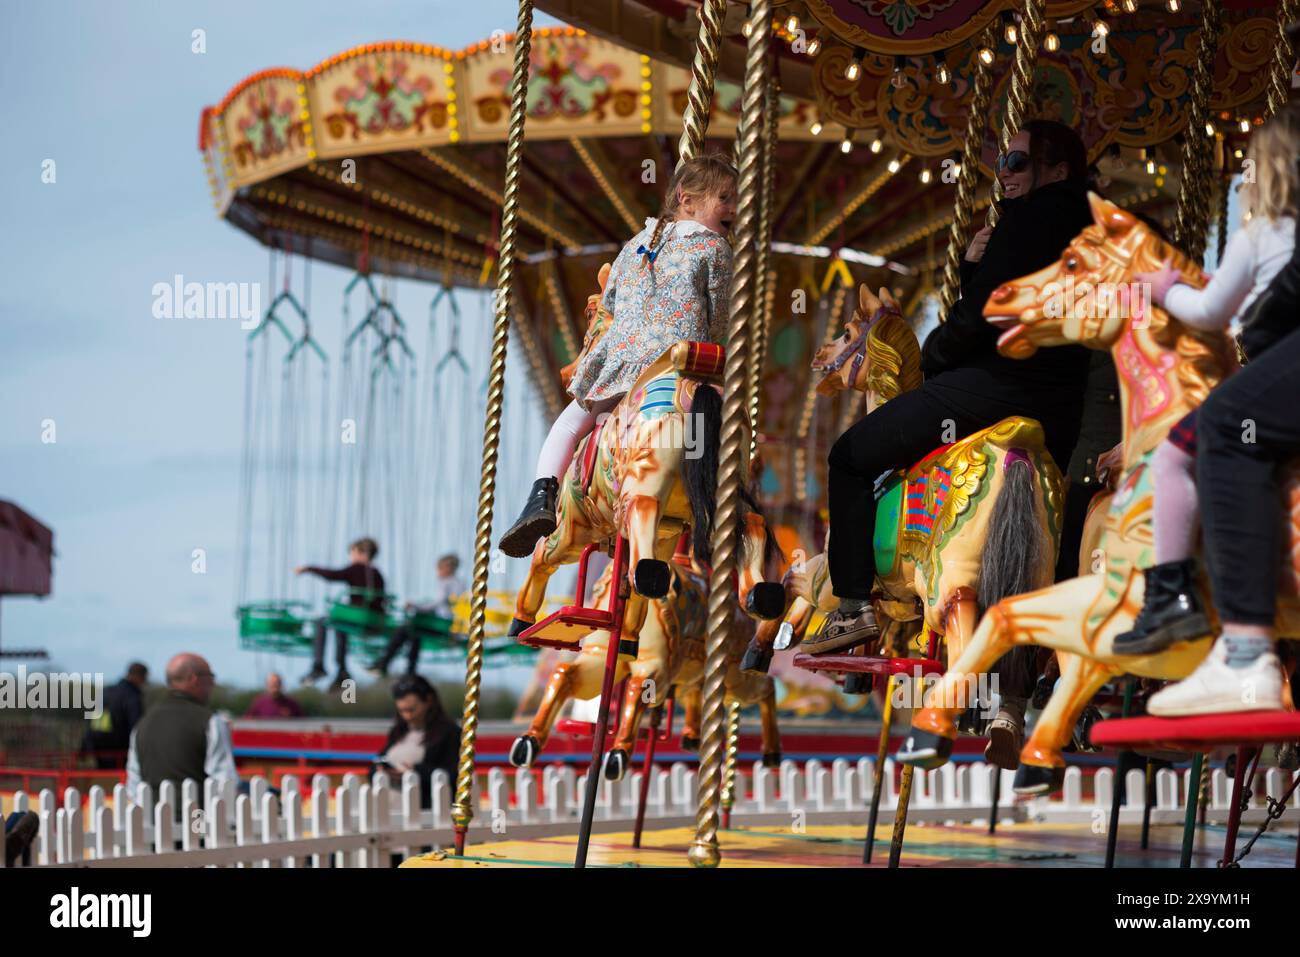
(703, 361)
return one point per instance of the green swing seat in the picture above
(371, 628)
(277, 626)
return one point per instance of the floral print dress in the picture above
(682, 295)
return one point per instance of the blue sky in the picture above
(148, 412)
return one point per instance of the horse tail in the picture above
(1018, 546)
(701, 470)
(701, 474)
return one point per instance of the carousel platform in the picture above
(1014, 845)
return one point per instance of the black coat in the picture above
(960, 358)
(441, 751)
(1276, 312)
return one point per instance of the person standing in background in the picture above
(273, 702)
(109, 735)
(181, 737)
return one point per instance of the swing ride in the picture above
(862, 138)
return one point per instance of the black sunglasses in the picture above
(1017, 161)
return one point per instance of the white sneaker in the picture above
(1215, 688)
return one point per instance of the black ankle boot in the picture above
(536, 521)
(1171, 611)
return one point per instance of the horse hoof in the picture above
(652, 578)
(615, 765)
(924, 749)
(756, 660)
(524, 751)
(689, 743)
(857, 682)
(771, 759)
(518, 627)
(1032, 779)
(766, 600)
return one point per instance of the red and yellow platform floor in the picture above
(1014, 845)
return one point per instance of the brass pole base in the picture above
(703, 854)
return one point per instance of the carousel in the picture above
(865, 136)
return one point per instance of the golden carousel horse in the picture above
(1165, 370)
(647, 472)
(670, 655)
(994, 493)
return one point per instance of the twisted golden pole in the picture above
(699, 95)
(462, 810)
(766, 281)
(1225, 184)
(1032, 26)
(1279, 74)
(733, 751)
(1194, 191)
(704, 850)
(977, 121)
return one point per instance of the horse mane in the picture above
(1204, 357)
(894, 357)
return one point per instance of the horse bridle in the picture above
(855, 348)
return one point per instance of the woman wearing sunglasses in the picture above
(968, 385)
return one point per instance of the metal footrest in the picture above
(565, 629)
(844, 664)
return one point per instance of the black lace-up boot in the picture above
(1171, 611)
(536, 521)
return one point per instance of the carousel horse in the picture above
(1165, 370)
(966, 526)
(648, 471)
(670, 654)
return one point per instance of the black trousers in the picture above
(895, 436)
(402, 636)
(1247, 428)
(318, 648)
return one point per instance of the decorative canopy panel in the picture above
(391, 156)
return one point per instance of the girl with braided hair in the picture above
(671, 282)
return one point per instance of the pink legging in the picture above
(1176, 518)
(574, 422)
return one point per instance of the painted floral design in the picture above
(387, 95)
(563, 82)
(266, 126)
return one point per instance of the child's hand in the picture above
(1160, 280)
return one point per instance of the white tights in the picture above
(574, 422)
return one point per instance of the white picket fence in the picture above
(371, 823)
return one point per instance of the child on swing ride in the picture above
(671, 282)
(1172, 610)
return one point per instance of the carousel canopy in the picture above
(391, 156)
